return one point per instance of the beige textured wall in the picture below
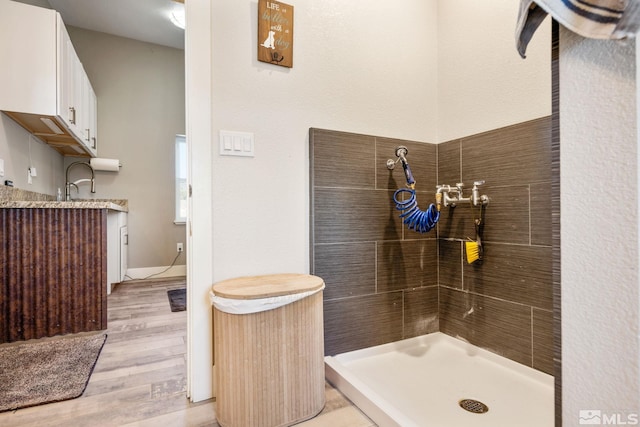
(140, 90)
(483, 83)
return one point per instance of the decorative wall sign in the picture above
(275, 33)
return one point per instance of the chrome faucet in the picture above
(448, 195)
(476, 198)
(75, 184)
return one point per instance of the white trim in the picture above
(198, 79)
(141, 273)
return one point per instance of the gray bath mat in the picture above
(178, 299)
(47, 370)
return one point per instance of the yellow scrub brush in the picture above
(473, 248)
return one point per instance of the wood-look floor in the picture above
(140, 377)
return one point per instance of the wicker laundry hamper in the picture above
(268, 350)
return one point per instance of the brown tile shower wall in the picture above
(381, 281)
(505, 304)
(385, 283)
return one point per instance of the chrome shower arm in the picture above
(401, 154)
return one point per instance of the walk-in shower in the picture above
(418, 332)
(438, 381)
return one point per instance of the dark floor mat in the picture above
(178, 299)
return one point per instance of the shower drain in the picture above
(473, 405)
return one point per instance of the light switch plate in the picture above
(234, 143)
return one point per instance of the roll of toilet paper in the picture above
(109, 165)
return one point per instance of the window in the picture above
(181, 179)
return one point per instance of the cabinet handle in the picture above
(72, 119)
(88, 139)
(93, 142)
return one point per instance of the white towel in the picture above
(600, 19)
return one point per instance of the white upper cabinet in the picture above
(87, 117)
(43, 85)
(65, 72)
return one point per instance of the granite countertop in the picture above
(18, 198)
(116, 205)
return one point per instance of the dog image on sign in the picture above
(268, 43)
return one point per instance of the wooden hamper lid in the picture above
(271, 285)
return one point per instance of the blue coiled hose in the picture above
(413, 217)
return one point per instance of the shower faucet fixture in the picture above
(401, 153)
(412, 216)
(446, 195)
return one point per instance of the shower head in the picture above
(401, 152)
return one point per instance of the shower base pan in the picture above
(438, 381)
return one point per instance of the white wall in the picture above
(483, 84)
(18, 156)
(360, 66)
(599, 226)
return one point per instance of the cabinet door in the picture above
(28, 58)
(67, 59)
(94, 122)
(80, 95)
(124, 249)
(91, 106)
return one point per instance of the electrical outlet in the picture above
(29, 179)
(180, 247)
(1, 167)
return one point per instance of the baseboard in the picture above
(157, 272)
